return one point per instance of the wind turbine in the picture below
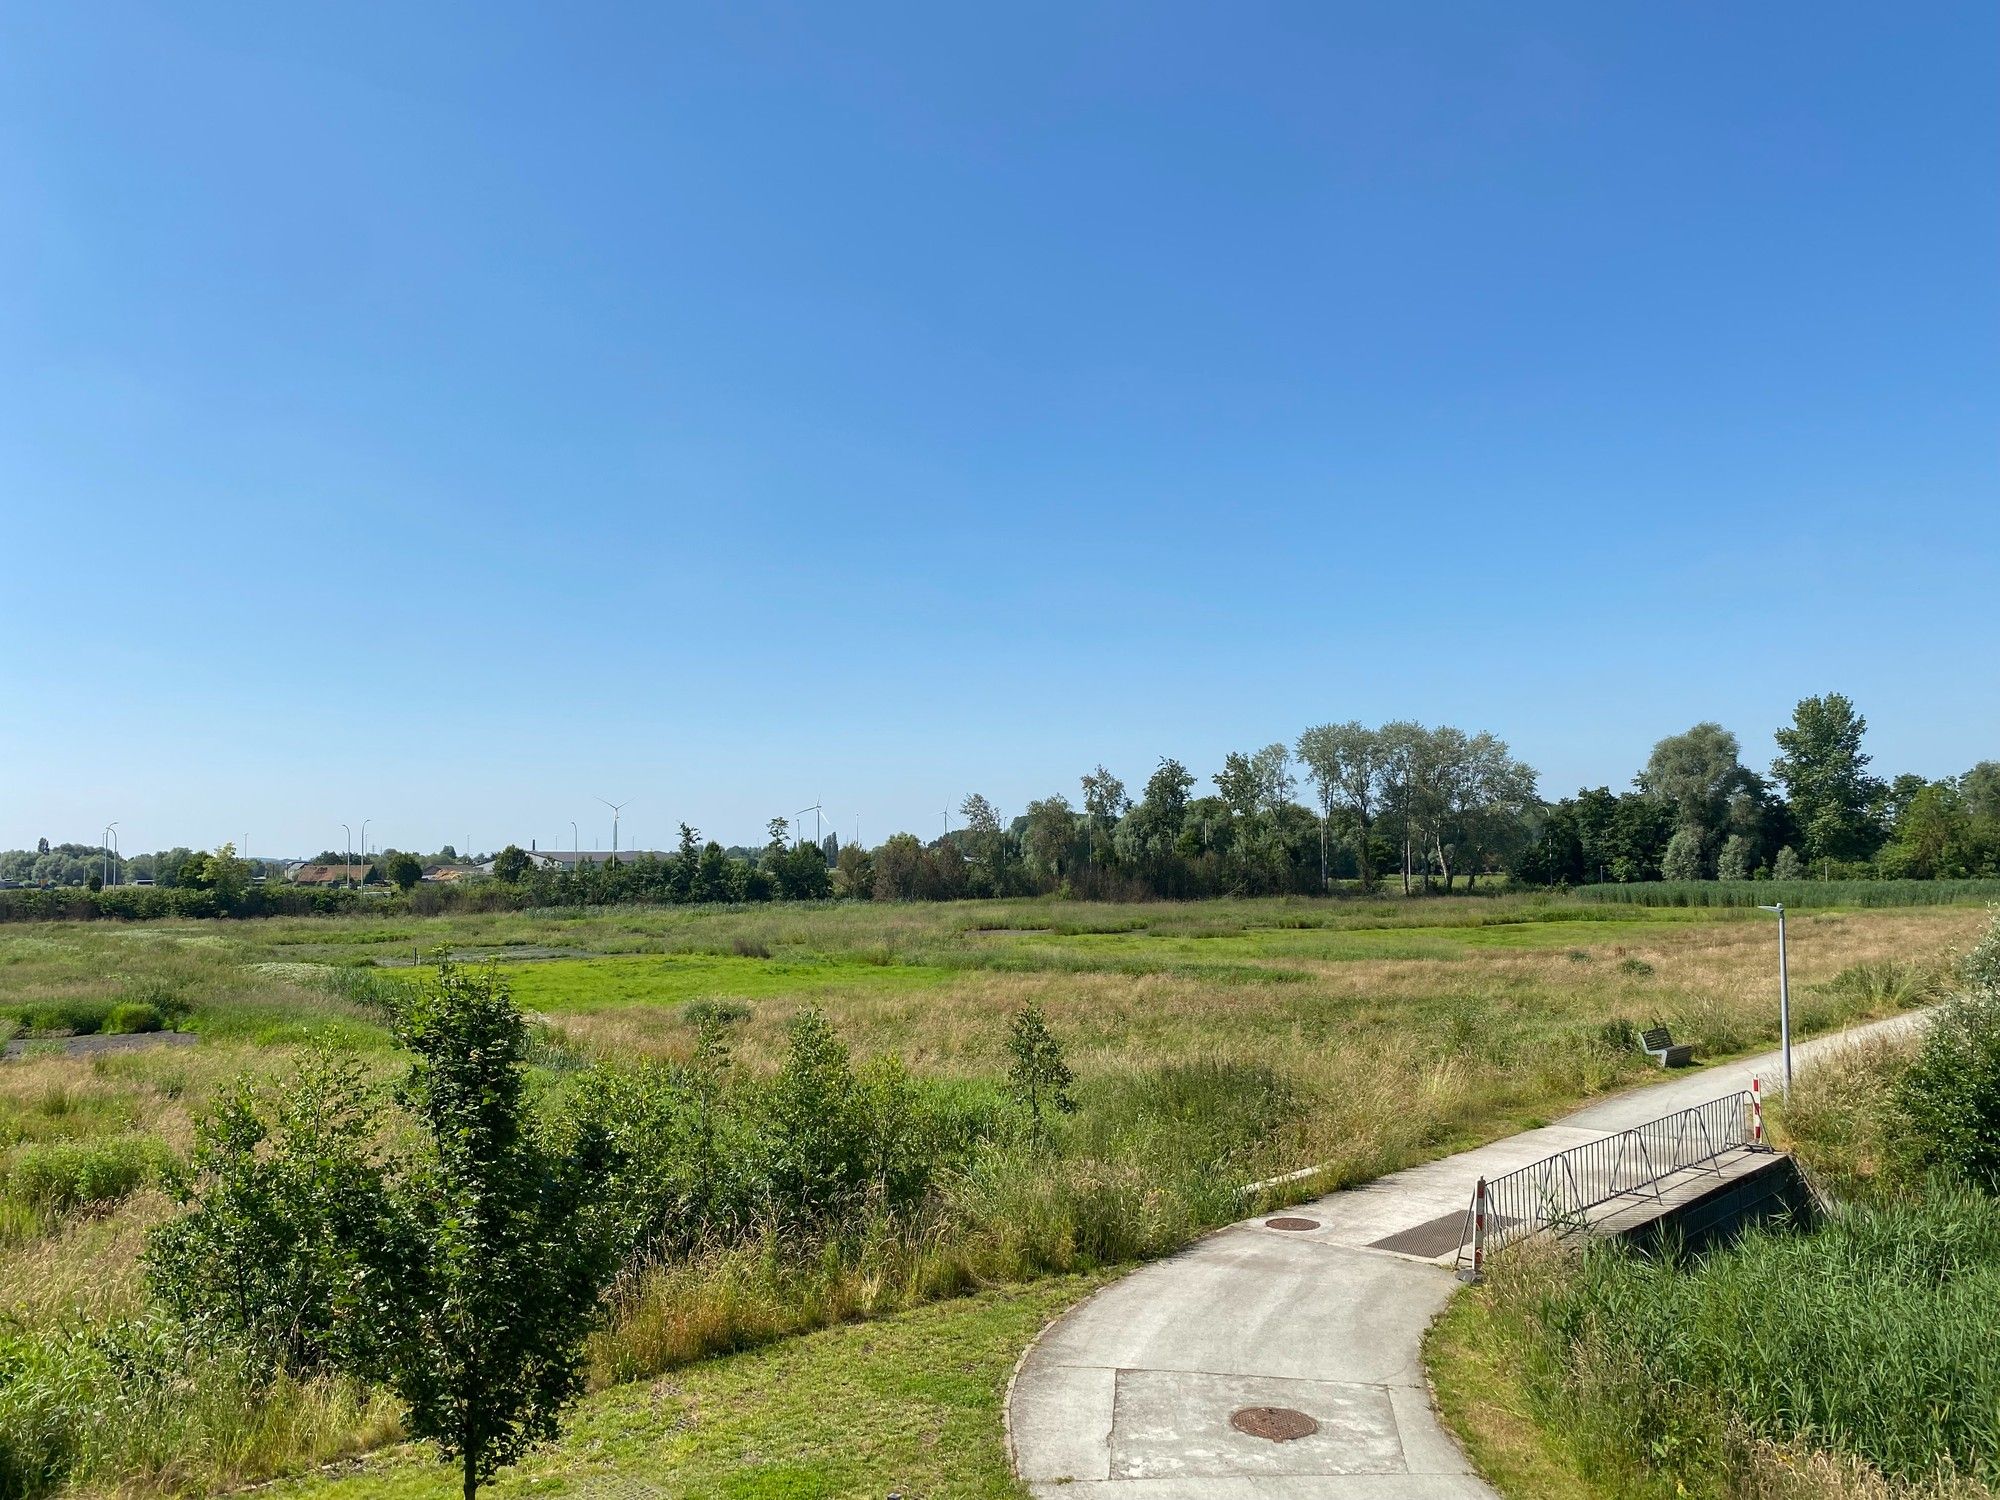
(815, 811)
(616, 808)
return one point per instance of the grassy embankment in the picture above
(1213, 1043)
(1857, 1361)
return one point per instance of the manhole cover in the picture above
(1291, 1223)
(1276, 1424)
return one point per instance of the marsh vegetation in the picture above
(827, 1104)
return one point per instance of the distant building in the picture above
(332, 874)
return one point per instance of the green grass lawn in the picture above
(909, 1405)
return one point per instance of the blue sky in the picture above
(447, 414)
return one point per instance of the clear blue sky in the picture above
(443, 415)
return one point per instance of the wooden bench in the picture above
(1659, 1042)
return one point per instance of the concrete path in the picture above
(1131, 1395)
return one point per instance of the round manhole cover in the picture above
(1276, 1424)
(1289, 1222)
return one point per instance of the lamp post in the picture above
(107, 852)
(364, 838)
(348, 868)
(1784, 996)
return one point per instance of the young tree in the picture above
(1041, 1077)
(1786, 866)
(1825, 777)
(1734, 863)
(479, 1329)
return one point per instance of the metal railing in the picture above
(1558, 1192)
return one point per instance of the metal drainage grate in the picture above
(1275, 1424)
(1288, 1222)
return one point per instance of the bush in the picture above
(128, 1019)
(1950, 1096)
(709, 1012)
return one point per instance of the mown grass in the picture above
(909, 1405)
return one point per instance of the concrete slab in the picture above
(1072, 1405)
(1176, 1425)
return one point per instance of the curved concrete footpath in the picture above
(1128, 1396)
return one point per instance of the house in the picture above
(332, 874)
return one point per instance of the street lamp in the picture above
(348, 868)
(1784, 995)
(364, 837)
(107, 852)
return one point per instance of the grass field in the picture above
(1214, 1043)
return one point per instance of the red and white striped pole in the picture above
(1479, 1229)
(1757, 1112)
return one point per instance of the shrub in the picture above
(1950, 1097)
(709, 1012)
(1638, 967)
(127, 1019)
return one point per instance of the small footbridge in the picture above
(1697, 1173)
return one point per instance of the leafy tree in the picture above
(1104, 803)
(1346, 763)
(714, 877)
(1697, 774)
(1683, 859)
(987, 842)
(1049, 837)
(511, 864)
(226, 875)
(1825, 777)
(899, 867)
(1148, 836)
(1735, 862)
(855, 872)
(1932, 836)
(404, 870)
(1786, 866)
(480, 1328)
(1040, 1076)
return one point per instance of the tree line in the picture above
(1406, 805)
